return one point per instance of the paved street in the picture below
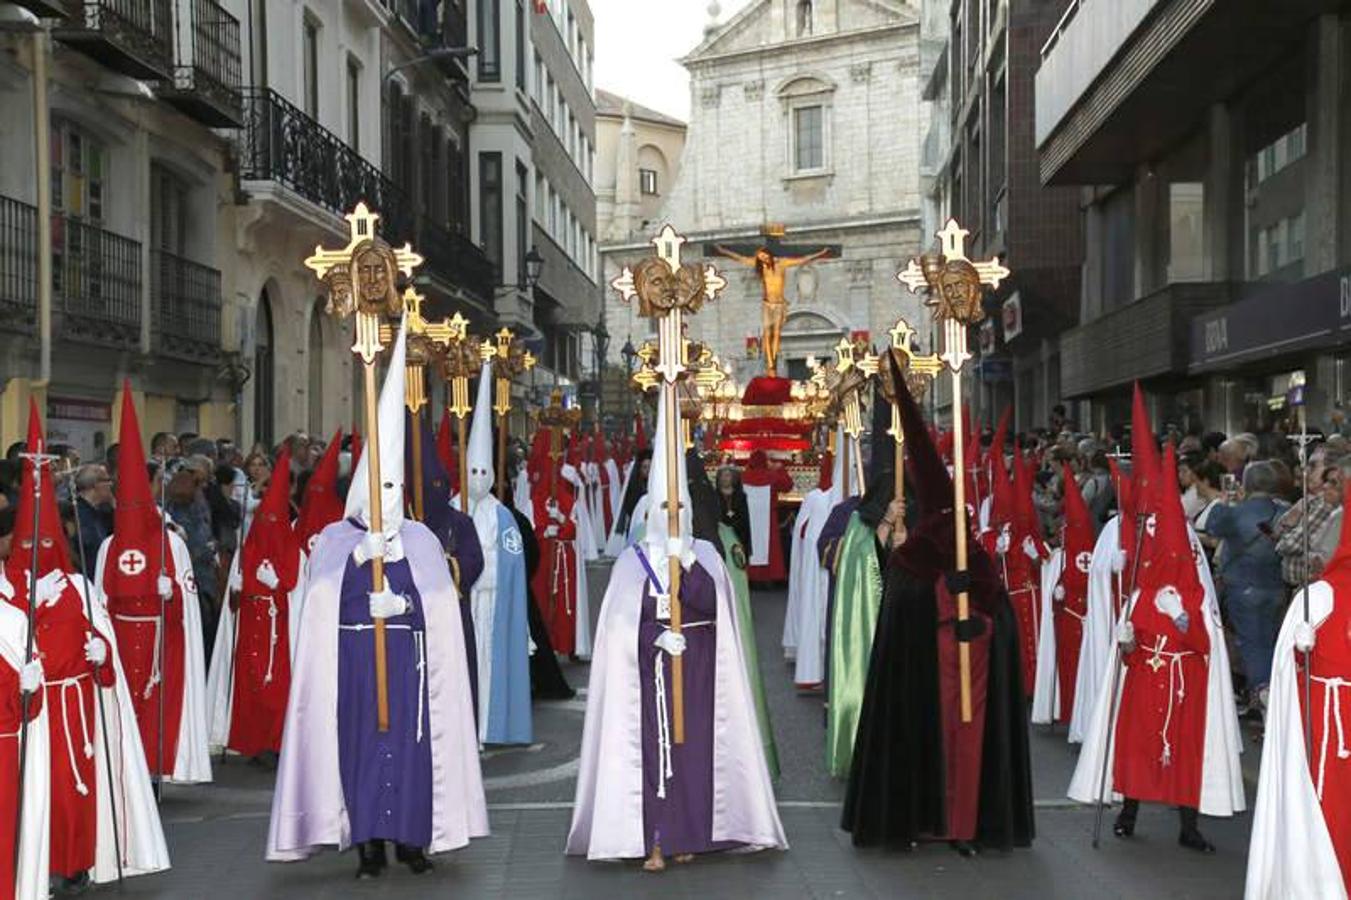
(217, 833)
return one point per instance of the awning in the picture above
(1280, 319)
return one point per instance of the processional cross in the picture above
(916, 371)
(509, 358)
(955, 286)
(667, 290)
(463, 360)
(361, 280)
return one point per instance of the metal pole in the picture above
(35, 455)
(234, 649)
(1304, 591)
(98, 691)
(42, 141)
(159, 636)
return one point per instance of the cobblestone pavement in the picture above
(217, 833)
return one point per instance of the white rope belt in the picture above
(420, 647)
(271, 633)
(63, 685)
(561, 571)
(1332, 706)
(1080, 616)
(1177, 687)
(1036, 613)
(154, 678)
(664, 770)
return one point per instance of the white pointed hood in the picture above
(659, 544)
(480, 459)
(389, 415)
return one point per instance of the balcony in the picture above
(96, 284)
(185, 298)
(455, 260)
(206, 65)
(281, 144)
(133, 37)
(18, 266)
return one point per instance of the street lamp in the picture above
(534, 265)
(430, 56)
(602, 336)
(630, 353)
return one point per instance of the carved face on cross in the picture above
(373, 277)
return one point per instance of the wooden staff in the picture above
(461, 425)
(674, 450)
(959, 497)
(377, 525)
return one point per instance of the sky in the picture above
(639, 41)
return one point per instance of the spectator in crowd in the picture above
(1248, 570)
(1306, 520)
(164, 445)
(1233, 455)
(1099, 492)
(94, 511)
(187, 505)
(258, 471)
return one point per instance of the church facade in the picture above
(805, 117)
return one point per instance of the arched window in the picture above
(264, 406)
(804, 17)
(315, 351)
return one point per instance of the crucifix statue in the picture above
(955, 286)
(771, 260)
(667, 290)
(361, 281)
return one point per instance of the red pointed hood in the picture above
(1028, 523)
(271, 538)
(1337, 572)
(1145, 469)
(356, 447)
(1167, 561)
(1002, 505)
(52, 550)
(640, 435)
(1078, 540)
(321, 506)
(134, 554)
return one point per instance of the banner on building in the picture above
(1013, 317)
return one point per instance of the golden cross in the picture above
(426, 342)
(848, 387)
(916, 368)
(509, 358)
(462, 361)
(952, 244)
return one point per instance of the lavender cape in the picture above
(308, 810)
(607, 818)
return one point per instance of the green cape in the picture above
(855, 603)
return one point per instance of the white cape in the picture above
(30, 878)
(1221, 770)
(1046, 688)
(813, 589)
(220, 676)
(607, 818)
(759, 504)
(1095, 644)
(192, 762)
(1291, 854)
(308, 811)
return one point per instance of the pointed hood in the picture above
(640, 434)
(480, 449)
(133, 561)
(52, 550)
(882, 447)
(1337, 572)
(1167, 561)
(1079, 539)
(1027, 522)
(389, 415)
(321, 505)
(930, 545)
(1002, 504)
(825, 474)
(655, 541)
(1001, 433)
(271, 538)
(436, 482)
(1145, 469)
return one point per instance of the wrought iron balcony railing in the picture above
(134, 37)
(281, 143)
(96, 283)
(185, 297)
(206, 65)
(18, 266)
(455, 259)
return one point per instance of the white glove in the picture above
(386, 604)
(672, 642)
(1169, 602)
(551, 531)
(1119, 562)
(371, 546)
(1001, 543)
(555, 514)
(1304, 637)
(49, 587)
(30, 676)
(95, 651)
(164, 587)
(1059, 593)
(267, 575)
(236, 580)
(1125, 634)
(1030, 548)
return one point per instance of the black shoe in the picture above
(372, 860)
(1123, 828)
(1194, 840)
(965, 849)
(413, 857)
(73, 887)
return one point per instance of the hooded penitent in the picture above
(321, 506)
(764, 483)
(501, 623)
(250, 674)
(130, 566)
(1064, 605)
(636, 788)
(974, 783)
(340, 780)
(558, 581)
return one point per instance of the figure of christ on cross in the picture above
(771, 262)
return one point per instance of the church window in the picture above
(647, 182)
(808, 138)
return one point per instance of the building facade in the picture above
(804, 115)
(199, 151)
(1210, 149)
(980, 165)
(531, 176)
